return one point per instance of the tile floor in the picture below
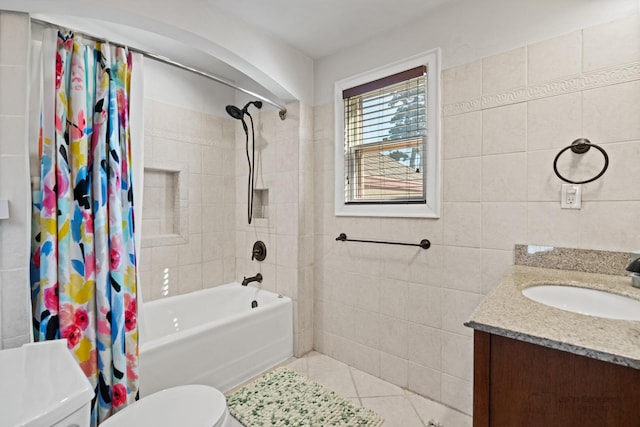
(399, 407)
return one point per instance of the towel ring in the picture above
(581, 146)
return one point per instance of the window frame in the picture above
(429, 209)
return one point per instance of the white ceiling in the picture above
(322, 27)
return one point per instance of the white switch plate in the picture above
(571, 196)
(4, 209)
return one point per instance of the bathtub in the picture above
(213, 337)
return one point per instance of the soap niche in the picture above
(260, 203)
(165, 205)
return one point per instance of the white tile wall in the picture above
(465, 82)
(462, 180)
(15, 318)
(495, 264)
(463, 279)
(457, 356)
(610, 113)
(507, 117)
(463, 133)
(504, 178)
(612, 43)
(555, 58)
(624, 156)
(503, 224)
(13, 86)
(505, 71)
(394, 369)
(548, 225)
(14, 31)
(553, 121)
(424, 305)
(197, 143)
(425, 381)
(504, 129)
(462, 224)
(282, 150)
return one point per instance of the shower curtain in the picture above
(83, 269)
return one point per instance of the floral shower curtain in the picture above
(83, 271)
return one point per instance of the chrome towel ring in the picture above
(581, 146)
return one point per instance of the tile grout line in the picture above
(355, 387)
(406, 397)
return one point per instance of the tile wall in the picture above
(211, 152)
(398, 312)
(201, 147)
(14, 181)
(284, 167)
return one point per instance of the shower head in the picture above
(237, 113)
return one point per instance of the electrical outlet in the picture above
(571, 196)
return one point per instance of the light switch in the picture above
(4, 209)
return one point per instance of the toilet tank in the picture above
(42, 385)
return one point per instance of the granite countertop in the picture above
(507, 312)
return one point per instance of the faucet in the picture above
(634, 269)
(256, 278)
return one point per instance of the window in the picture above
(387, 141)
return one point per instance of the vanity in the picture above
(538, 365)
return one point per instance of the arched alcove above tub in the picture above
(198, 35)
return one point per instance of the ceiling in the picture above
(320, 28)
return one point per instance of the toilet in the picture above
(186, 405)
(42, 385)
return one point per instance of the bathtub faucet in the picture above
(256, 278)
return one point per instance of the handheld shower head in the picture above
(239, 114)
(235, 112)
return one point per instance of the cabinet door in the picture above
(535, 386)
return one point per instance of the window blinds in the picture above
(385, 132)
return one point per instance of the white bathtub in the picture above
(213, 337)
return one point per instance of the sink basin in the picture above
(585, 301)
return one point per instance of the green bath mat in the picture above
(282, 397)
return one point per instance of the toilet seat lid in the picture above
(187, 405)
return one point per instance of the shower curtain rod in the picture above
(283, 110)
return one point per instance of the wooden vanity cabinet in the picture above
(518, 384)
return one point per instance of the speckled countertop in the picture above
(507, 312)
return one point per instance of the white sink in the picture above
(585, 301)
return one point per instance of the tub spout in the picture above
(256, 278)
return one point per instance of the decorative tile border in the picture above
(586, 260)
(594, 79)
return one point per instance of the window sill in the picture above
(389, 211)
